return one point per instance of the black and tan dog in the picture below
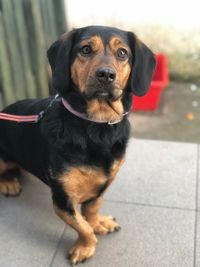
(79, 145)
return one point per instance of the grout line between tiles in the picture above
(56, 250)
(150, 205)
(197, 207)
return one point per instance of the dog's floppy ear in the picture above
(59, 56)
(143, 65)
(52, 53)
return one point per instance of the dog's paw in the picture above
(105, 225)
(81, 251)
(10, 187)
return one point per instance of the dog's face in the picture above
(102, 64)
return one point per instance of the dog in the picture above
(78, 143)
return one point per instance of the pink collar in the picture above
(84, 115)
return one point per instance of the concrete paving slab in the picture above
(29, 229)
(157, 173)
(150, 236)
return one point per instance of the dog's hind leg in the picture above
(9, 184)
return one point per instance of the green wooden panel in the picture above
(40, 48)
(51, 19)
(5, 70)
(60, 18)
(13, 49)
(46, 25)
(27, 29)
(24, 49)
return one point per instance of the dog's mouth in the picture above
(103, 93)
(100, 90)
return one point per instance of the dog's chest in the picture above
(84, 183)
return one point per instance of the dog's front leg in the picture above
(90, 210)
(101, 225)
(85, 245)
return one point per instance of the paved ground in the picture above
(155, 199)
(177, 119)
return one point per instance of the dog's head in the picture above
(103, 65)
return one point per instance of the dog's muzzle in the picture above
(103, 85)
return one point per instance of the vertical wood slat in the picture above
(51, 19)
(60, 18)
(24, 49)
(46, 26)
(5, 69)
(13, 48)
(48, 18)
(40, 48)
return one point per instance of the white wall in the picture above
(177, 13)
(170, 26)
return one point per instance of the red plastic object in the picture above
(151, 100)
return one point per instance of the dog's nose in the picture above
(106, 75)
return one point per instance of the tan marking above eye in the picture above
(95, 42)
(116, 43)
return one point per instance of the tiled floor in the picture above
(155, 199)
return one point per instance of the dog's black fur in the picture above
(61, 140)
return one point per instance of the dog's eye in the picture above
(122, 53)
(86, 50)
